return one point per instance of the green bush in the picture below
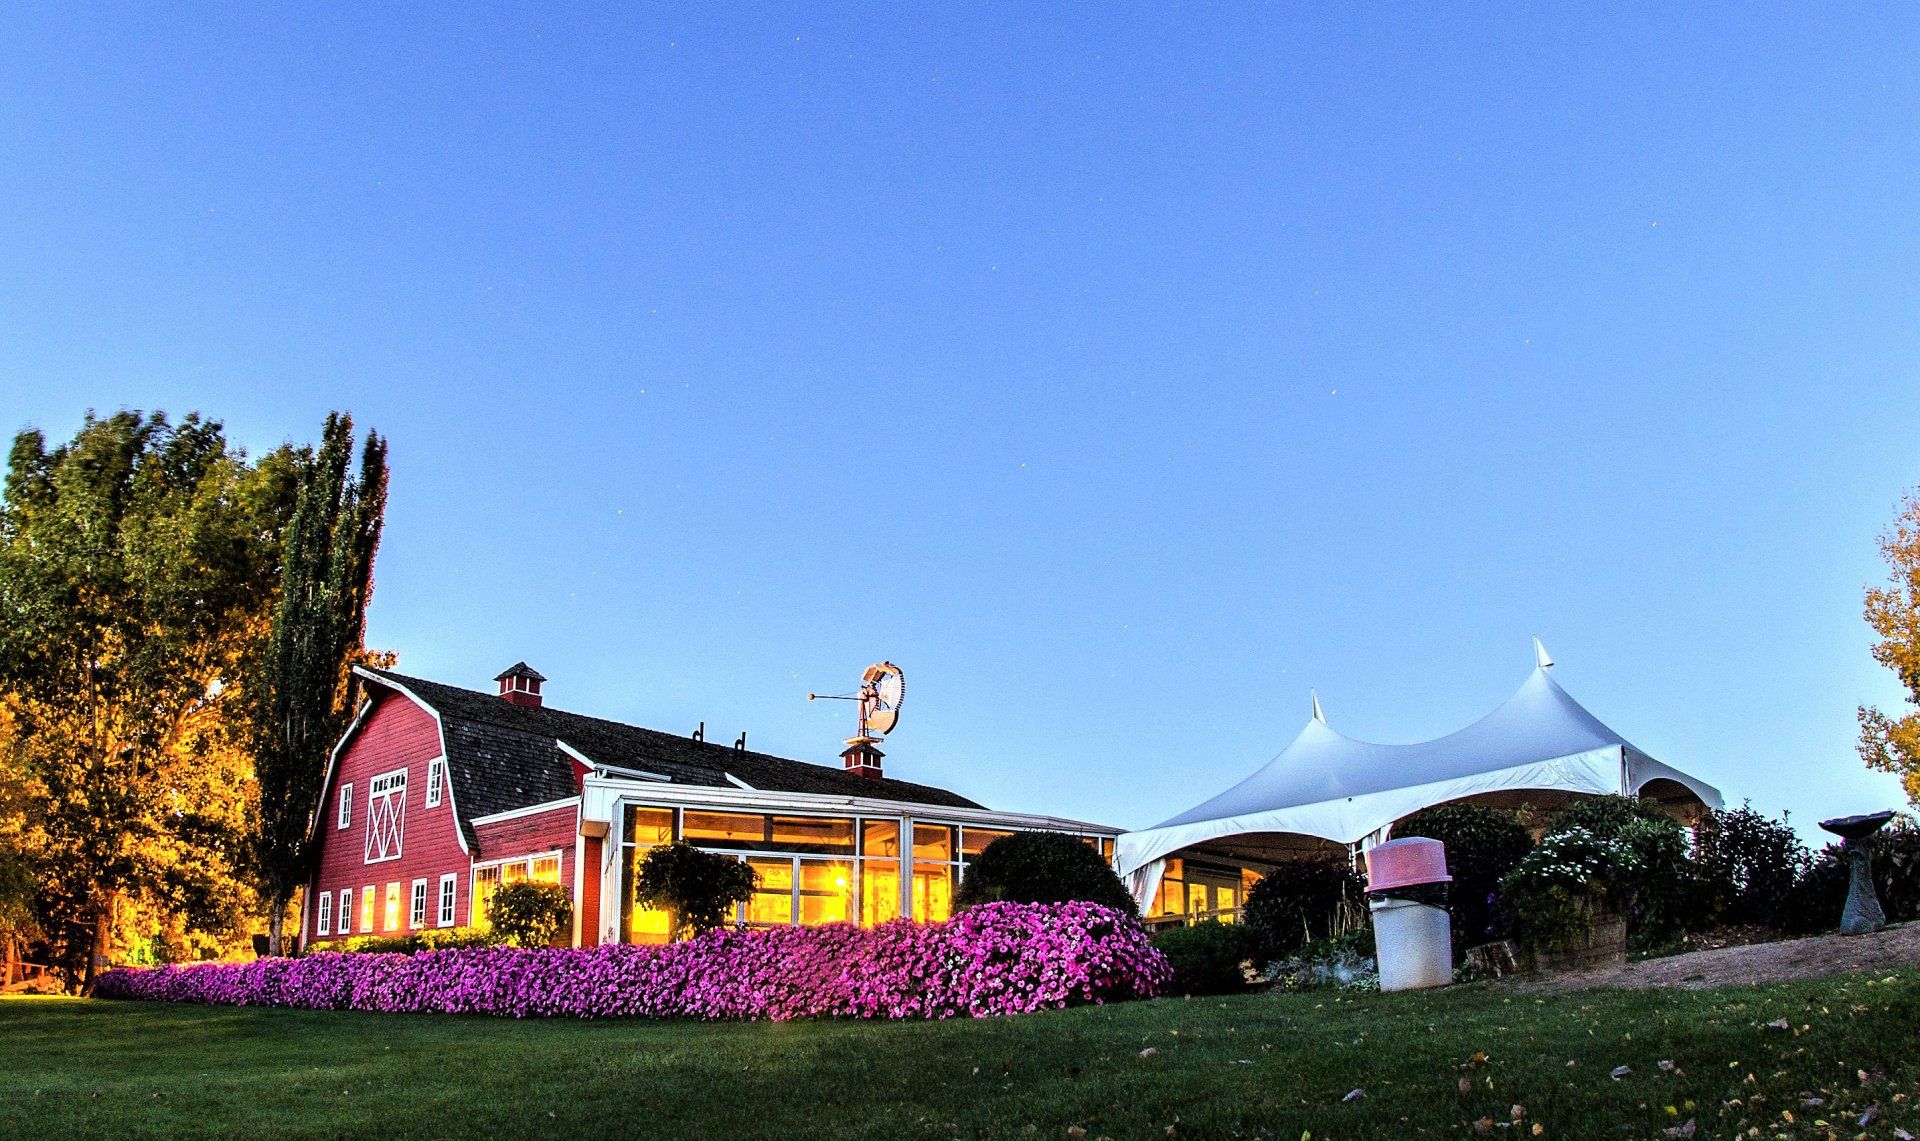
(528, 914)
(1303, 901)
(1661, 895)
(431, 939)
(1821, 892)
(1549, 897)
(1748, 866)
(697, 889)
(1043, 867)
(1483, 845)
(1208, 957)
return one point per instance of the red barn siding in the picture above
(397, 734)
(589, 893)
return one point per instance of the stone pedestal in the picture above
(1863, 913)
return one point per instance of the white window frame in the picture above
(386, 816)
(390, 908)
(345, 815)
(449, 899)
(325, 916)
(558, 855)
(436, 781)
(345, 926)
(417, 906)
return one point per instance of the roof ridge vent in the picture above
(520, 685)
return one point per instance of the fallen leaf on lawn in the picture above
(1779, 1024)
(1076, 1131)
(1466, 1085)
(1902, 1135)
(1517, 1112)
(1484, 1125)
(1354, 1095)
(1538, 1129)
(1686, 1130)
(1149, 1052)
(1870, 1116)
(1619, 1072)
(1666, 1065)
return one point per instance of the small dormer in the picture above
(520, 684)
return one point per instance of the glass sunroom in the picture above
(818, 859)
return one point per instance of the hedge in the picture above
(999, 958)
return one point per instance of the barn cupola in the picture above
(520, 684)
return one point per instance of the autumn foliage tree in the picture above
(137, 566)
(1891, 741)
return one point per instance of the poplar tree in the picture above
(1891, 742)
(302, 692)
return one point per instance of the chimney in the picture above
(862, 758)
(520, 684)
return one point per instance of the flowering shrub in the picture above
(1550, 895)
(999, 958)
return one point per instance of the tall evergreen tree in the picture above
(302, 688)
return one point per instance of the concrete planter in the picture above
(1605, 944)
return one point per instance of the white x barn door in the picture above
(386, 816)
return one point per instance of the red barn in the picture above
(437, 795)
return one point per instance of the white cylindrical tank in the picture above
(1414, 943)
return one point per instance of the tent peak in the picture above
(1540, 656)
(1318, 713)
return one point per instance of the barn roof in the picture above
(502, 756)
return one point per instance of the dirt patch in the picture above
(1750, 964)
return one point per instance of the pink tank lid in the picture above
(1400, 863)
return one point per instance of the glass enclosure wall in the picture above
(1191, 890)
(814, 869)
(489, 878)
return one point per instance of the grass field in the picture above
(1250, 1066)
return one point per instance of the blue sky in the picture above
(1121, 373)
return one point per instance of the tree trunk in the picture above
(276, 919)
(102, 942)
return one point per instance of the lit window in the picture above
(326, 913)
(486, 881)
(449, 888)
(826, 891)
(722, 829)
(346, 804)
(436, 777)
(490, 878)
(772, 902)
(346, 912)
(417, 911)
(392, 917)
(368, 898)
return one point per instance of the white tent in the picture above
(1326, 787)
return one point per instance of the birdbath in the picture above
(1863, 913)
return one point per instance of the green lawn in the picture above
(1251, 1066)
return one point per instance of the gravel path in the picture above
(1895, 947)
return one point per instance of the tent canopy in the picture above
(1333, 787)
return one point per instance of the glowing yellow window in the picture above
(649, 826)
(932, 892)
(722, 829)
(393, 908)
(826, 891)
(486, 881)
(772, 902)
(1196, 898)
(879, 891)
(546, 869)
(368, 899)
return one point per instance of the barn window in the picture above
(417, 913)
(346, 911)
(386, 815)
(449, 888)
(436, 777)
(326, 913)
(392, 918)
(490, 878)
(346, 804)
(368, 898)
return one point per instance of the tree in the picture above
(695, 888)
(300, 689)
(1043, 867)
(1888, 742)
(137, 565)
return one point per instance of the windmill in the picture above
(882, 688)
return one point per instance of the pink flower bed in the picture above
(1002, 958)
